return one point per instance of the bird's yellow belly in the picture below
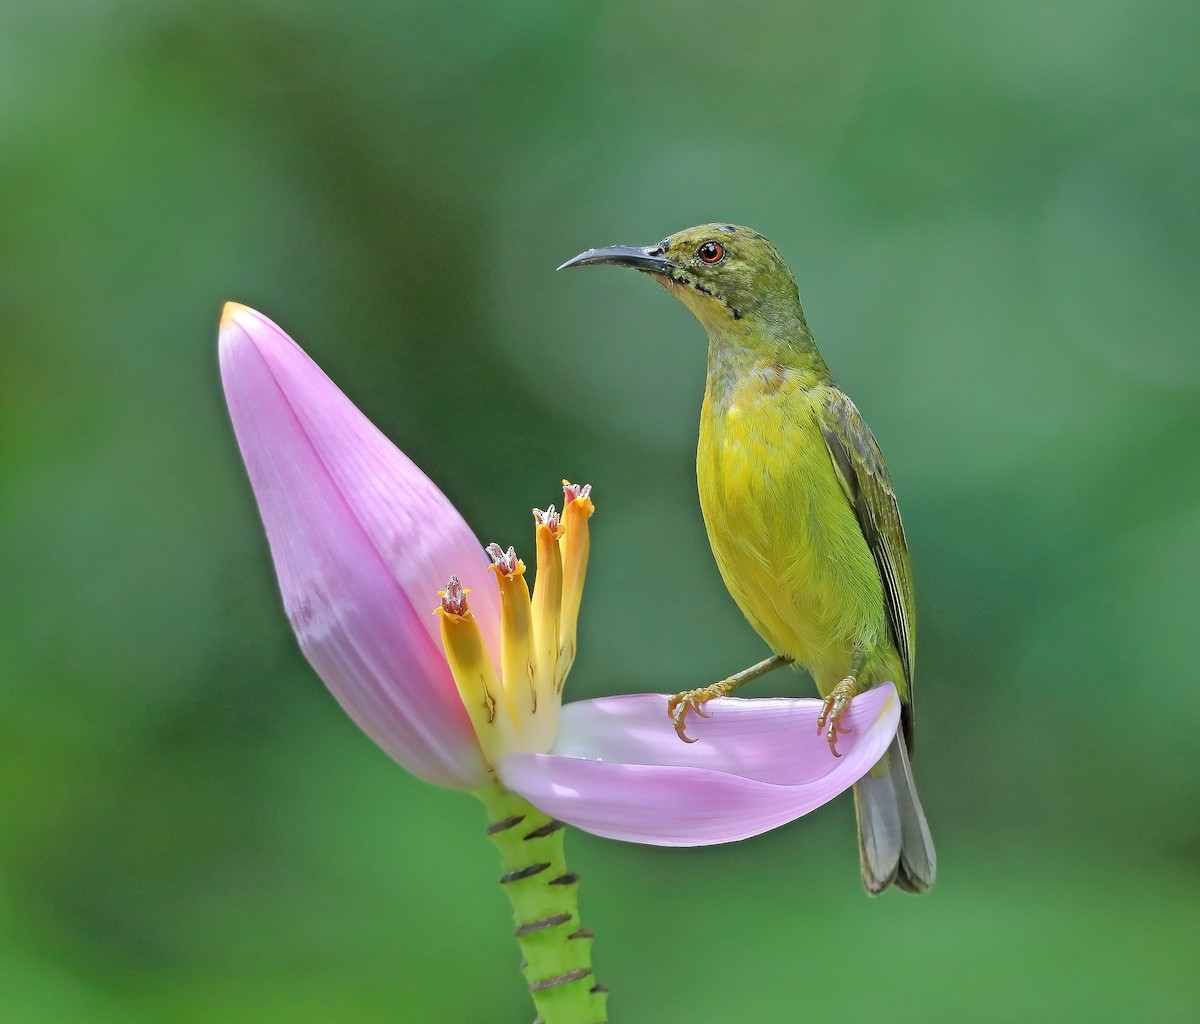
(784, 535)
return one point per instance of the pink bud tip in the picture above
(454, 597)
(505, 561)
(573, 492)
(548, 518)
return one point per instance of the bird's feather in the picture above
(894, 844)
(867, 483)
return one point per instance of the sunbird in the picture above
(801, 516)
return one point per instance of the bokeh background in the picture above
(992, 212)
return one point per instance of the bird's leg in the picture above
(838, 700)
(691, 700)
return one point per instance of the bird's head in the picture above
(722, 272)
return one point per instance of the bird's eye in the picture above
(711, 252)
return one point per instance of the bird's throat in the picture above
(747, 358)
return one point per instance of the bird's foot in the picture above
(694, 700)
(835, 706)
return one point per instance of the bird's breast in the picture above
(785, 538)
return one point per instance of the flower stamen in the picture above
(547, 603)
(575, 543)
(537, 634)
(516, 634)
(471, 666)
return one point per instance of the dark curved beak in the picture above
(649, 259)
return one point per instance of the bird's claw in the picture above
(834, 707)
(689, 700)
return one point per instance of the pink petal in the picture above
(362, 541)
(618, 769)
(418, 533)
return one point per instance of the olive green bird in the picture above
(801, 516)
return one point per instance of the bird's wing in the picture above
(868, 485)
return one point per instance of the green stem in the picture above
(557, 951)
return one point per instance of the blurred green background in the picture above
(992, 213)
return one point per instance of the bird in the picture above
(801, 515)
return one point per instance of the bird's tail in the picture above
(894, 845)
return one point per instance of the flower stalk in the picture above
(556, 950)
